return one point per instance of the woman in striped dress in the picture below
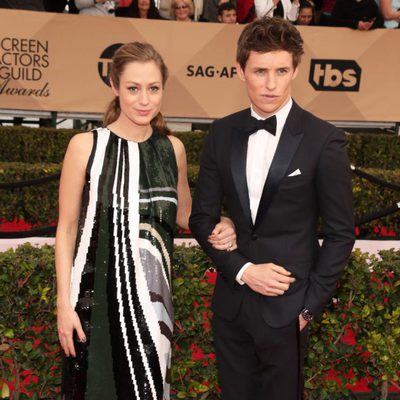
(122, 189)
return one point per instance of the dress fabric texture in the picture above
(120, 279)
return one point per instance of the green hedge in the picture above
(38, 204)
(193, 142)
(369, 198)
(33, 145)
(374, 150)
(367, 305)
(48, 145)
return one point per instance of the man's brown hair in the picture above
(269, 34)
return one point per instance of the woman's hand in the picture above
(223, 236)
(67, 322)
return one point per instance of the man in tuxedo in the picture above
(281, 172)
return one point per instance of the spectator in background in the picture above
(286, 9)
(55, 5)
(167, 9)
(306, 13)
(182, 10)
(72, 9)
(139, 9)
(357, 14)
(227, 13)
(210, 9)
(326, 12)
(32, 5)
(317, 10)
(164, 6)
(96, 7)
(390, 10)
(245, 11)
(122, 6)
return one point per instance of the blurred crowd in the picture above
(356, 14)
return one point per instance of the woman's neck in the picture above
(131, 131)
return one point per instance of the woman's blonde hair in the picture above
(189, 3)
(134, 52)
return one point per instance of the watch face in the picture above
(307, 315)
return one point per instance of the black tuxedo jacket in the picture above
(285, 230)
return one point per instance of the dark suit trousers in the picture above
(255, 361)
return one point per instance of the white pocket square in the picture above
(295, 173)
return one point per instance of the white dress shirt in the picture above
(260, 153)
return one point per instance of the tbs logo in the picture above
(335, 75)
(104, 64)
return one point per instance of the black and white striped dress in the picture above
(120, 280)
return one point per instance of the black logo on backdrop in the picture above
(335, 75)
(23, 63)
(210, 71)
(104, 64)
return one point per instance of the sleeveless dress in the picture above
(120, 279)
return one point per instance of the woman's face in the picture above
(182, 11)
(305, 16)
(144, 5)
(140, 92)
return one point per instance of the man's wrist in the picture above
(241, 272)
(307, 315)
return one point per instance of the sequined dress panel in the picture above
(121, 276)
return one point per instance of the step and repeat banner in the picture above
(59, 62)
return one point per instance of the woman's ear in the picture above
(114, 89)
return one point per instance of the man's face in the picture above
(228, 17)
(268, 78)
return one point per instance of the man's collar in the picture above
(281, 114)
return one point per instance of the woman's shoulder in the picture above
(81, 140)
(80, 146)
(177, 145)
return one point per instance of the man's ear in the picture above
(240, 72)
(219, 18)
(114, 89)
(296, 70)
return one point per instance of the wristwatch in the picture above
(307, 315)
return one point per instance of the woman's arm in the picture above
(198, 9)
(184, 197)
(71, 186)
(223, 237)
(265, 7)
(293, 10)
(81, 4)
(387, 11)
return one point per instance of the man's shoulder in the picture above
(236, 119)
(310, 118)
(317, 126)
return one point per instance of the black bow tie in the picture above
(255, 125)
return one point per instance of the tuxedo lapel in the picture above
(238, 168)
(288, 143)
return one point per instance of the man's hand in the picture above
(302, 322)
(267, 279)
